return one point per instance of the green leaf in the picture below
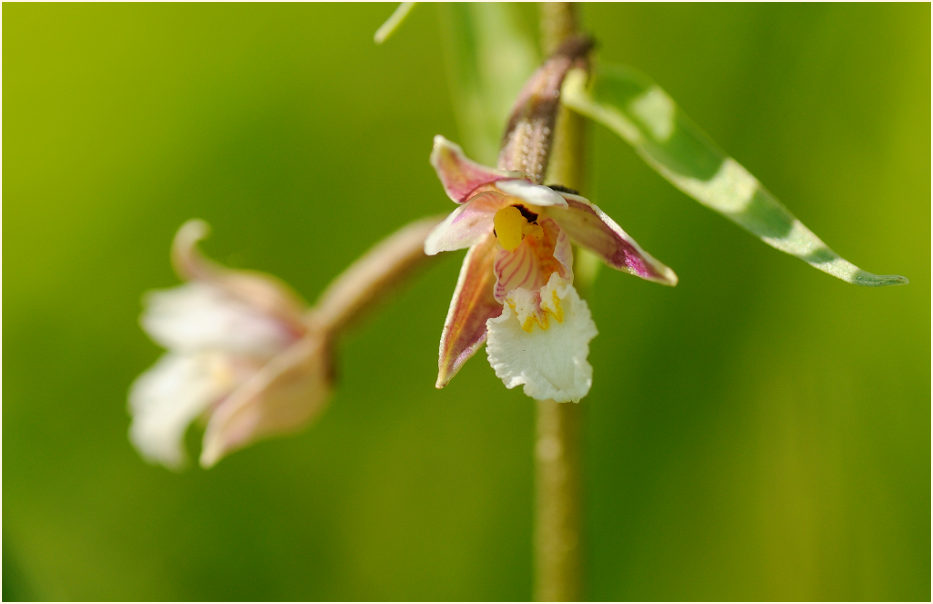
(393, 22)
(490, 53)
(639, 111)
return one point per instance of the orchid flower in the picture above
(244, 352)
(240, 354)
(515, 291)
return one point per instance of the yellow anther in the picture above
(509, 223)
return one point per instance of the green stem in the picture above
(558, 571)
(558, 513)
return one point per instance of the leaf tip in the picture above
(393, 22)
(870, 280)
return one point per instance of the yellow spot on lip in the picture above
(539, 319)
(558, 312)
(541, 315)
(529, 323)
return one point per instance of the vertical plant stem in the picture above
(558, 572)
(557, 539)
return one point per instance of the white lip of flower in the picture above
(171, 395)
(541, 341)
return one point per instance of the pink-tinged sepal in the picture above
(259, 291)
(459, 175)
(283, 397)
(591, 228)
(472, 305)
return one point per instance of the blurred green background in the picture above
(760, 432)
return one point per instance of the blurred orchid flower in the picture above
(244, 352)
(515, 289)
(240, 353)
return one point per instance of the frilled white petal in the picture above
(200, 316)
(550, 362)
(168, 397)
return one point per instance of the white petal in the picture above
(168, 397)
(537, 195)
(199, 316)
(550, 363)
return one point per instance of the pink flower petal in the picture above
(590, 227)
(467, 224)
(471, 306)
(459, 175)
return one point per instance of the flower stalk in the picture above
(370, 279)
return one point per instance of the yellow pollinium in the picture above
(512, 227)
(509, 224)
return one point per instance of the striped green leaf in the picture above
(639, 111)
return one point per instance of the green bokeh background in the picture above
(760, 432)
